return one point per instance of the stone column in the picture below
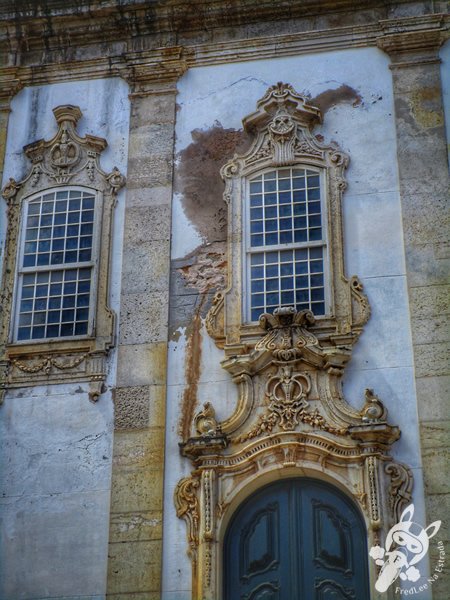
(425, 198)
(135, 548)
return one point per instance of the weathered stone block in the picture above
(148, 196)
(435, 328)
(432, 359)
(430, 301)
(159, 108)
(135, 526)
(134, 567)
(143, 364)
(428, 264)
(155, 170)
(151, 137)
(435, 434)
(143, 448)
(145, 268)
(143, 317)
(131, 407)
(436, 471)
(147, 224)
(433, 394)
(136, 490)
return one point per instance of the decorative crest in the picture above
(287, 334)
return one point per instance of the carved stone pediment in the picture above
(65, 160)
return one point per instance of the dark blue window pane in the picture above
(83, 300)
(257, 240)
(301, 282)
(270, 212)
(301, 267)
(75, 204)
(81, 328)
(300, 235)
(287, 283)
(29, 260)
(26, 305)
(302, 296)
(40, 304)
(315, 234)
(257, 286)
(54, 316)
(52, 331)
(69, 301)
(43, 259)
(85, 255)
(24, 333)
(70, 288)
(287, 298)
(54, 302)
(271, 239)
(67, 329)
(38, 332)
(272, 299)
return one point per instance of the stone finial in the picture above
(67, 112)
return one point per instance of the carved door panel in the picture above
(296, 540)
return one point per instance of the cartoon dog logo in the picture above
(406, 544)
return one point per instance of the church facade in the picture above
(224, 333)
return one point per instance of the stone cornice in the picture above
(161, 67)
(410, 42)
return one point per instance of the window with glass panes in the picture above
(286, 241)
(56, 265)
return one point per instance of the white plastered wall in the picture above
(382, 358)
(56, 445)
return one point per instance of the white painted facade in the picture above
(56, 445)
(373, 241)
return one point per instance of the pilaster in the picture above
(424, 189)
(135, 547)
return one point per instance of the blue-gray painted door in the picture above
(297, 539)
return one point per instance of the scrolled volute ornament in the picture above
(373, 409)
(116, 180)
(10, 189)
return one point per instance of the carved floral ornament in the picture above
(291, 418)
(66, 159)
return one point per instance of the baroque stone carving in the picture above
(400, 488)
(66, 159)
(187, 507)
(291, 417)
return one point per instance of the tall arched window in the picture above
(286, 241)
(56, 265)
(56, 324)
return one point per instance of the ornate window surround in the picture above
(282, 130)
(64, 161)
(291, 417)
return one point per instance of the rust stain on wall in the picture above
(192, 373)
(341, 95)
(198, 180)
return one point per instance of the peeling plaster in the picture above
(344, 94)
(198, 181)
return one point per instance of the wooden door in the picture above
(297, 539)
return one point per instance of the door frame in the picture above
(265, 481)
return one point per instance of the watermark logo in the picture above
(406, 544)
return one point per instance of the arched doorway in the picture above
(296, 539)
